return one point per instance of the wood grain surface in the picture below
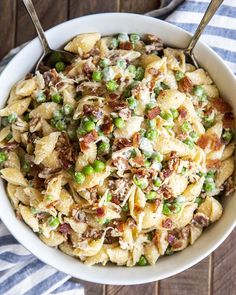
(215, 275)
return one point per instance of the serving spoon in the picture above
(211, 9)
(50, 57)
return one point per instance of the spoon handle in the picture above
(32, 13)
(211, 9)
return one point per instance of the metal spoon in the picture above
(49, 56)
(211, 9)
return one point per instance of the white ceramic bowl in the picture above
(111, 23)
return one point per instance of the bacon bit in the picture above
(11, 146)
(182, 112)
(87, 69)
(67, 151)
(216, 143)
(203, 141)
(185, 85)
(182, 136)
(87, 139)
(126, 45)
(155, 205)
(210, 140)
(201, 220)
(167, 223)
(177, 245)
(213, 164)
(149, 38)
(166, 172)
(120, 226)
(185, 232)
(151, 114)
(166, 192)
(115, 200)
(140, 160)
(125, 113)
(122, 143)
(51, 76)
(100, 211)
(29, 76)
(228, 120)
(31, 137)
(114, 95)
(136, 139)
(221, 105)
(94, 111)
(138, 209)
(65, 228)
(107, 126)
(171, 238)
(117, 105)
(173, 155)
(229, 186)
(154, 72)
(121, 163)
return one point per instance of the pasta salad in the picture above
(122, 156)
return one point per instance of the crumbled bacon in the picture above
(166, 192)
(182, 112)
(47, 172)
(201, 220)
(228, 120)
(229, 186)
(177, 245)
(65, 228)
(31, 137)
(140, 160)
(90, 110)
(29, 76)
(11, 146)
(121, 164)
(154, 112)
(154, 72)
(119, 188)
(100, 211)
(221, 105)
(121, 226)
(185, 85)
(182, 136)
(125, 113)
(121, 143)
(115, 200)
(107, 126)
(88, 69)
(114, 95)
(67, 152)
(117, 105)
(155, 204)
(87, 139)
(210, 140)
(149, 38)
(213, 164)
(126, 45)
(136, 139)
(167, 223)
(51, 76)
(185, 232)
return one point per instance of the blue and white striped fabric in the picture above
(220, 34)
(22, 273)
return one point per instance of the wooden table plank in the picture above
(50, 13)
(194, 281)
(7, 25)
(143, 289)
(138, 6)
(79, 8)
(224, 267)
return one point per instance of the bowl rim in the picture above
(81, 276)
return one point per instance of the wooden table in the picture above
(216, 274)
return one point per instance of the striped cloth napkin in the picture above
(21, 272)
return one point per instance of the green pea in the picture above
(98, 166)
(60, 66)
(55, 57)
(152, 195)
(150, 236)
(140, 182)
(41, 97)
(175, 113)
(227, 135)
(150, 105)
(123, 37)
(25, 166)
(27, 117)
(132, 69)
(9, 136)
(157, 157)
(79, 177)
(186, 127)
(111, 85)
(88, 170)
(57, 115)
(114, 43)
(166, 116)
(104, 62)
(60, 125)
(157, 90)
(56, 97)
(198, 201)
(198, 90)
(53, 222)
(169, 251)
(97, 76)
(134, 38)
(164, 86)
(142, 261)
(139, 75)
(176, 207)
(88, 126)
(132, 102)
(189, 143)
(147, 163)
(151, 134)
(179, 75)
(194, 136)
(125, 208)
(209, 187)
(166, 209)
(210, 175)
(103, 148)
(119, 123)
(109, 197)
(49, 198)
(157, 182)
(12, 118)
(67, 109)
(81, 131)
(121, 63)
(3, 157)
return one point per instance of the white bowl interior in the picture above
(106, 24)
